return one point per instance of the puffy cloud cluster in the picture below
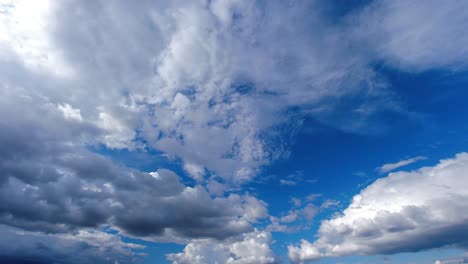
(81, 189)
(251, 248)
(405, 211)
(51, 183)
(217, 84)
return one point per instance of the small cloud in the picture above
(296, 201)
(392, 166)
(311, 180)
(69, 112)
(287, 182)
(360, 174)
(313, 196)
(329, 203)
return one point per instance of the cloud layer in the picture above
(403, 212)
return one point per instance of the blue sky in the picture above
(233, 131)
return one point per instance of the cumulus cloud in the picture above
(405, 211)
(51, 183)
(393, 166)
(251, 248)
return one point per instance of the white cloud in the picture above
(24, 30)
(399, 32)
(392, 166)
(405, 211)
(287, 182)
(69, 112)
(191, 81)
(188, 79)
(251, 248)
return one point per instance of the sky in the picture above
(232, 131)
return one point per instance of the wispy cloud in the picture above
(392, 166)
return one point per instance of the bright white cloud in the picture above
(393, 166)
(69, 112)
(251, 248)
(405, 211)
(24, 30)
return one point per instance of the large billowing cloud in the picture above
(225, 77)
(50, 182)
(403, 212)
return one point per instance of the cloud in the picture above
(392, 166)
(220, 87)
(399, 33)
(460, 260)
(251, 248)
(188, 79)
(84, 246)
(287, 182)
(52, 183)
(403, 212)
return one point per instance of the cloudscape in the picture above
(232, 131)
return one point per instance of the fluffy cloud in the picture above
(405, 211)
(249, 249)
(52, 183)
(215, 84)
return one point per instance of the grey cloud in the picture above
(51, 183)
(184, 76)
(81, 247)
